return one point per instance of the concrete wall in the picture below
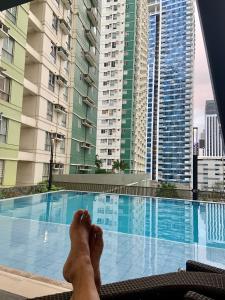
(113, 179)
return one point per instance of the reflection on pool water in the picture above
(159, 234)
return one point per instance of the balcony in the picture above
(90, 57)
(65, 27)
(67, 3)
(61, 80)
(92, 14)
(91, 36)
(34, 23)
(88, 79)
(30, 88)
(87, 123)
(88, 101)
(63, 53)
(3, 31)
(27, 121)
(85, 145)
(26, 156)
(59, 109)
(32, 56)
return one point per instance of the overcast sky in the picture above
(202, 82)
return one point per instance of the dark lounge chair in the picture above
(198, 282)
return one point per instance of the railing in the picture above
(141, 191)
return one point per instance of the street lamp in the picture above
(51, 162)
(195, 163)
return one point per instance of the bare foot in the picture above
(79, 235)
(96, 247)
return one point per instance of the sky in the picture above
(202, 82)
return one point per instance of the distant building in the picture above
(170, 87)
(202, 144)
(211, 173)
(121, 129)
(213, 138)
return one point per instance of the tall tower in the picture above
(213, 137)
(123, 84)
(170, 84)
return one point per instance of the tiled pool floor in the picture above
(41, 248)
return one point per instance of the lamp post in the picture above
(51, 163)
(195, 164)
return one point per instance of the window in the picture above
(50, 111)
(68, 43)
(47, 141)
(55, 22)
(62, 146)
(45, 174)
(64, 118)
(4, 88)
(3, 129)
(7, 49)
(2, 167)
(65, 94)
(53, 52)
(51, 81)
(66, 66)
(11, 13)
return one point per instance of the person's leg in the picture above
(96, 247)
(78, 269)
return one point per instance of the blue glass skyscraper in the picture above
(170, 84)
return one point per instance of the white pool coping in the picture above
(16, 284)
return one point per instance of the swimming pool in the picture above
(143, 235)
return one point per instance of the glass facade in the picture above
(171, 53)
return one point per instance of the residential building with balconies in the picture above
(123, 84)
(85, 86)
(47, 96)
(13, 32)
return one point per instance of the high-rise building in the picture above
(13, 30)
(123, 84)
(85, 89)
(170, 81)
(49, 90)
(213, 137)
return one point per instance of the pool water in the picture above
(143, 235)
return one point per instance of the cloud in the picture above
(202, 82)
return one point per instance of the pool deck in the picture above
(16, 284)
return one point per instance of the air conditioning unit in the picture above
(59, 108)
(58, 166)
(88, 101)
(63, 53)
(85, 145)
(64, 26)
(87, 123)
(3, 31)
(90, 57)
(61, 80)
(88, 79)
(58, 137)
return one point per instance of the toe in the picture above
(98, 232)
(86, 218)
(77, 217)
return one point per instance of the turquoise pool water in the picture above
(143, 235)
